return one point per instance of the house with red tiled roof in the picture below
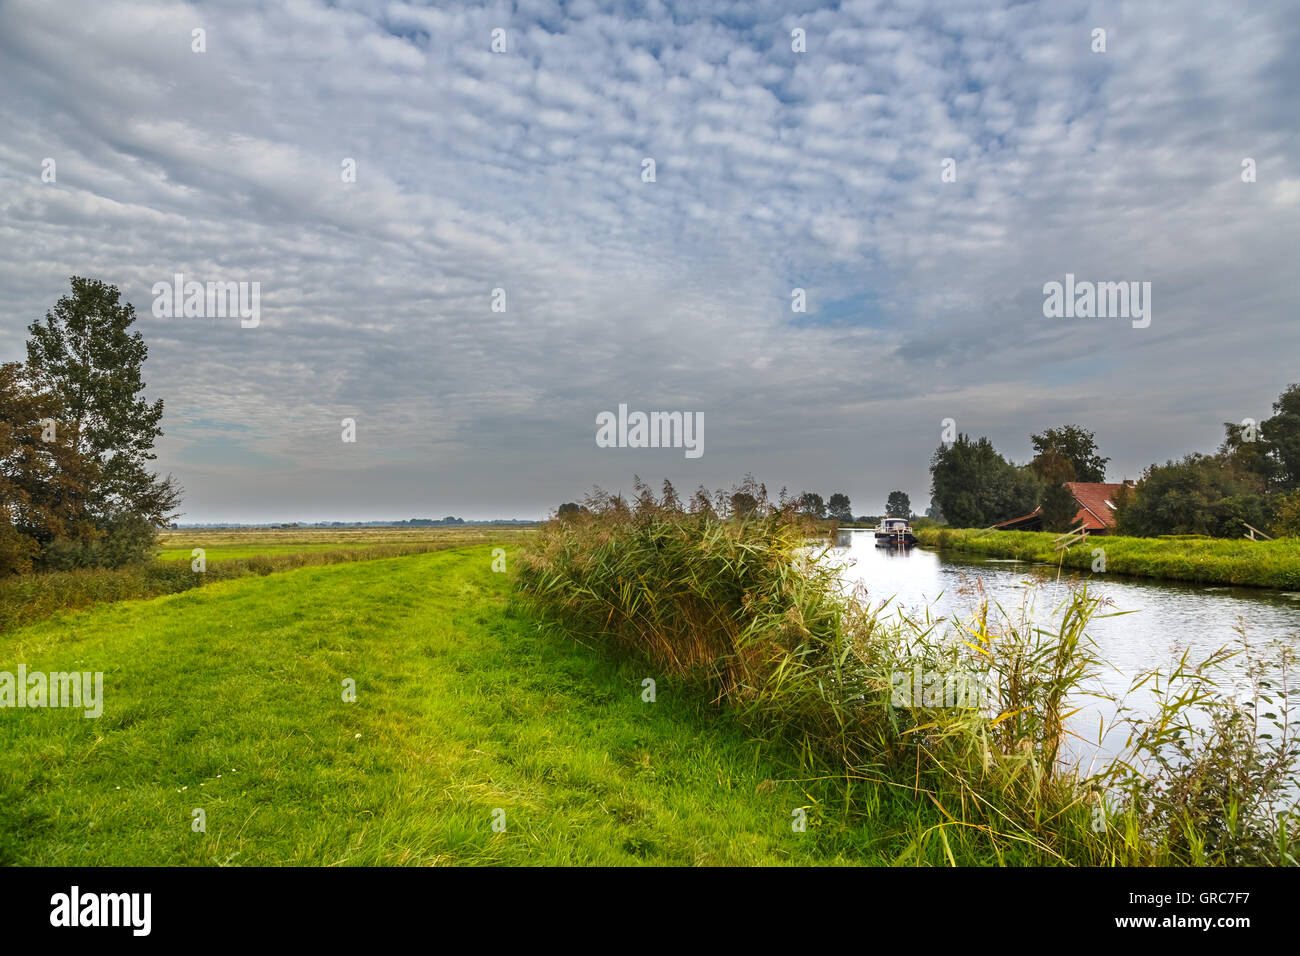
(1096, 501)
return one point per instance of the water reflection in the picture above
(1168, 618)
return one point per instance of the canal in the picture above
(1167, 618)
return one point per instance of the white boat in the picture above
(894, 531)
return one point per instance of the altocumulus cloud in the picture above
(522, 170)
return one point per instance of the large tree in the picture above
(1286, 521)
(898, 505)
(1077, 446)
(812, 505)
(974, 486)
(743, 504)
(1281, 437)
(45, 483)
(840, 508)
(1058, 504)
(1200, 494)
(1245, 451)
(85, 360)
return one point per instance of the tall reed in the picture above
(728, 593)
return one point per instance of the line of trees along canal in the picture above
(1252, 480)
(745, 499)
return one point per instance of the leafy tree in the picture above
(44, 481)
(1246, 452)
(743, 504)
(1059, 508)
(1123, 499)
(898, 505)
(84, 359)
(812, 505)
(747, 499)
(1076, 445)
(1281, 437)
(1058, 504)
(1200, 494)
(570, 509)
(840, 508)
(1286, 523)
(974, 487)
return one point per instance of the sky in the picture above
(775, 169)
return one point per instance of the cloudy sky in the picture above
(774, 170)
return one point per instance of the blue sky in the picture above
(774, 169)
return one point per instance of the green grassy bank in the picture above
(1266, 564)
(470, 711)
(223, 544)
(734, 607)
(228, 699)
(27, 598)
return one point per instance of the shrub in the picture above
(17, 550)
(1287, 521)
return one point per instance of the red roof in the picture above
(1096, 503)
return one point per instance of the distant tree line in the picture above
(1252, 480)
(972, 486)
(750, 498)
(76, 437)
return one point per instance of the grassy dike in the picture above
(1266, 564)
(27, 598)
(228, 698)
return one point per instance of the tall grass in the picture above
(739, 606)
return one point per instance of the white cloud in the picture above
(774, 169)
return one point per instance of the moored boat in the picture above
(894, 531)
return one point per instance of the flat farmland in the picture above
(230, 553)
(235, 543)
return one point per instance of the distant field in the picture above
(1269, 564)
(228, 699)
(229, 554)
(226, 543)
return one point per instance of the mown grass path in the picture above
(228, 698)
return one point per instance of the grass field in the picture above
(27, 598)
(224, 544)
(1269, 564)
(228, 698)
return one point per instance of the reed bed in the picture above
(738, 606)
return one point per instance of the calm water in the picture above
(1168, 617)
